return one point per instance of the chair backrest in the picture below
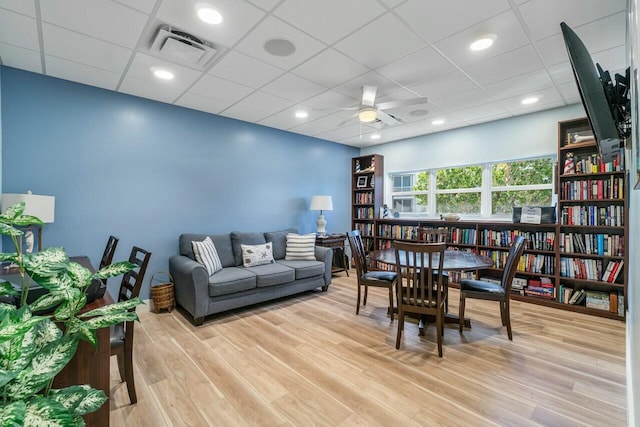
(357, 252)
(432, 235)
(109, 251)
(132, 280)
(509, 272)
(419, 289)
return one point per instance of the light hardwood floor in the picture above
(309, 360)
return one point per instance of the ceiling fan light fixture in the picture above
(367, 115)
(483, 42)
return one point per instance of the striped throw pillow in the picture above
(301, 247)
(207, 255)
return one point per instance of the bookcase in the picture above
(593, 223)
(366, 195)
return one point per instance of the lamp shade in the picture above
(321, 203)
(42, 207)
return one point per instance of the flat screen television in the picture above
(593, 96)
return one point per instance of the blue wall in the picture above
(146, 171)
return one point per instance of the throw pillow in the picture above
(206, 254)
(253, 255)
(301, 247)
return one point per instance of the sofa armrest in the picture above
(325, 255)
(191, 282)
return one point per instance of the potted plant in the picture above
(35, 348)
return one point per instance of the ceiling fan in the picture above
(369, 112)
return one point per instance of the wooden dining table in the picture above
(453, 261)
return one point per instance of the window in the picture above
(491, 189)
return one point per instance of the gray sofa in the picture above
(236, 286)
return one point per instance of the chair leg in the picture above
(120, 359)
(400, 327)
(507, 316)
(461, 310)
(358, 303)
(128, 372)
(366, 292)
(440, 329)
(391, 301)
(502, 316)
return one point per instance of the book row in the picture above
(364, 213)
(538, 240)
(612, 301)
(593, 189)
(590, 269)
(610, 216)
(592, 244)
(529, 263)
(405, 232)
(592, 163)
(363, 198)
(365, 229)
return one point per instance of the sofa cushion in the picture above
(230, 280)
(272, 274)
(222, 242)
(207, 255)
(239, 238)
(279, 240)
(253, 255)
(301, 247)
(305, 269)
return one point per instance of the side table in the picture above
(335, 242)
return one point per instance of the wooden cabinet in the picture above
(366, 195)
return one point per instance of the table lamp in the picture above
(321, 203)
(42, 207)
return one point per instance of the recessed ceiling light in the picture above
(438, 122)
(530, 100)
(279, 47)
(483, 42)
(302, 114)
(209, 15)
(375, 136)
(162, 73)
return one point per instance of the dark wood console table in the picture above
(335, 242)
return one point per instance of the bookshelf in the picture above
(366, 195)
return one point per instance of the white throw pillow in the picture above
(301, 247)
(253, 255)
(206, 254)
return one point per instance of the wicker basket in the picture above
(162, 293)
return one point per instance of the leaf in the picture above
(44, 366)
(80, 276)
(7, 375)
(13, 414)
(27, 220)
(79, 399)
(5, 309)
(46, 301)
(70, 307)
(6, 288)
(46, 263)
(115, 269)
(12, 330)
(6, 256)
(114, 308)
(13, 212)
(42, 411)
(8, 230)
(111, 319)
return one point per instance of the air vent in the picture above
(181, 47)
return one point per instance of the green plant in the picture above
(35, 348)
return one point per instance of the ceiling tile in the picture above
(256, 107)
(463, 100)
(344, 132)
(410, 113)
(265, 4)
(331, 101)
(507, 29)
(545, 96)
(480, 111)
(273, 28)
(202, 103)
(353, 88)
(240, 68)
(536, 14)
(511, 64)
(489, 118)
(447, 84)
(380, 42)
(149, 90)
(293, 88)
(20, 6)
(17, 57)
(96, 18)
(434, 22)
(68, 70)
(287, 119)
(322, 124)
(220, 89)
(342, 68)
(562, 73)
(569, 92)
(319, 18)
(145, 6)
(416, 67)
(536, 107)
(18, 30)
(392, 3)
(519, 85)
(83, 49)
(238, 18)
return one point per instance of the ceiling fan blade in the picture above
(369, 95)
(387, 119)
(401, 103)
(344, 122)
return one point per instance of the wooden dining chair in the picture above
(366, 278)
(107, 255)
(420, 288)
(492, 291)
(122, 333)
(436, 235)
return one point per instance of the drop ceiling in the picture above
(407, 48)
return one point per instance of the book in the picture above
(576, 294)
(614, 274)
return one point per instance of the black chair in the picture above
(494, 292)
(420, 289)
(436, 235)
(109, 251)
(366, 278)
(122, 333)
